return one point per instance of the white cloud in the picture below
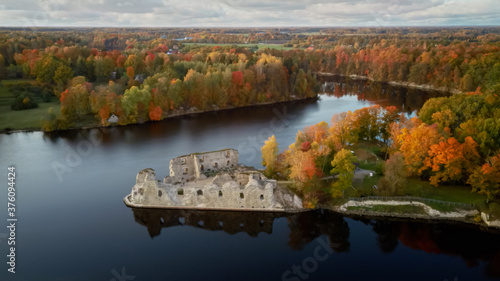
(241, 13)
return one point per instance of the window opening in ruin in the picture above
(199, 192)
(242, 195)
(180, 192)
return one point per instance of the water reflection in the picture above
(468, 242)
(472, 245)
(304, 227)
(230, 222)
(189, 126)
(405, 99)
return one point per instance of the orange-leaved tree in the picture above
(415, 145)
(451, 160)
(486, 179)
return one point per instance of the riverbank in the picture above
(178, 114)
(413, 211)
(425, 87)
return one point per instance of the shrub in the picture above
(46, 95)
(22, 102)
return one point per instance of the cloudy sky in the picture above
(248, 13)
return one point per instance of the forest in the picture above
(81, 77)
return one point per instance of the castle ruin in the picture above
(214, 181)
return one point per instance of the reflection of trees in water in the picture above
(405, 99)
(387, 237)
(469, 243)
(304, 227)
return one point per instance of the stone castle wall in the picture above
(233, 187)
(190, 167)
(221, 192)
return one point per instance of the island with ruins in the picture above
(211, 181)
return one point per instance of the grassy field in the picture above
(22, 119)
(402, 209)
(260, 46)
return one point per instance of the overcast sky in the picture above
(248, 13)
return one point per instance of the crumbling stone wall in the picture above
(193, 166)
(220, 192)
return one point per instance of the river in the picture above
(73, 225)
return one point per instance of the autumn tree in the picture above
(389, 116)
(343, 167)
(61, 76)
(452, 161)
(134, 103)
(103, 68)
(130, 72)
(155, 112)
(486, 179)
(415, 145)
(395, 175)
(75, 101)
(367, 122)
(269, 155)
(302, 164)
(343, 130)
(46, 67)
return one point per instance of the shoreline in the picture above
(425, 87)
(416, 218)
(365, 214)
(172, 116)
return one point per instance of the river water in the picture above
(73, 225)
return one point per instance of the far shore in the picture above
(182, 114)
(425, 87)
(187, 113)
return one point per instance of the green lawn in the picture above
(401, 209)
(452, 193)
(22, 119)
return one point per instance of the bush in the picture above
(46, 95)
(22, 102)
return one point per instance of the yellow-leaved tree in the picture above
(269, 155)
(343, 167)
